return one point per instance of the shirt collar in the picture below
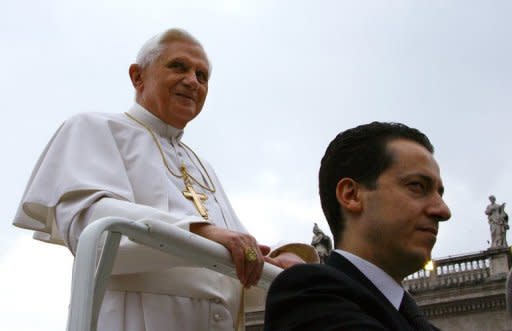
(393, 291)
(154, 123)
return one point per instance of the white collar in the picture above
(393, 291)
(160, 127)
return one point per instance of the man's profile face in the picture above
(175, 85)
(402, 213)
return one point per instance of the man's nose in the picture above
(190, 80)
(439, 210)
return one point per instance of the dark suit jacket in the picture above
(331, 297)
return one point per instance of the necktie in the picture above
(413, 314)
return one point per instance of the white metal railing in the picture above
(90, 274)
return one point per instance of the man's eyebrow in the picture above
(176, 58)
(188, 62)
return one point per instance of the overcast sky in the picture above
(287, 77)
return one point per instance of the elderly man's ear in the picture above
(349, 195)
(135, 76)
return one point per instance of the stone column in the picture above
(499, 261)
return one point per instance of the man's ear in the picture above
(135, 73)
(348, 194)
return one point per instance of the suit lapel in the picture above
(413, 313)
(339, 262)
(397, 320)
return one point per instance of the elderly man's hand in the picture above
(247, 254)
(284, 260)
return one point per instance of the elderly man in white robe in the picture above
(135, 165)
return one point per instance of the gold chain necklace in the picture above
(185, 175)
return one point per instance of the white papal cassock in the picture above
(100, 165)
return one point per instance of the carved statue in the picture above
(322, 243)
(498, 221)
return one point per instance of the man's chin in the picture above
(179, 118)
(420, 258)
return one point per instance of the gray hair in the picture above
(152, 48)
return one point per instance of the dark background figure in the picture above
(322, 243)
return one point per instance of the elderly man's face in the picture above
(175, 85)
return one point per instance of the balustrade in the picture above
(451, 272)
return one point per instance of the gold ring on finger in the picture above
(250, 254)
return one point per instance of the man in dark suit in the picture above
(381, 192)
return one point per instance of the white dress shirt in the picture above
(393, 291)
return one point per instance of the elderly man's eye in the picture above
(177, 65)
(202, 77)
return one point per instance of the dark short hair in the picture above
(359, 153)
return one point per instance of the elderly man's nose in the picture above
(191, 80)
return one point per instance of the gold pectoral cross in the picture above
(191, 194)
